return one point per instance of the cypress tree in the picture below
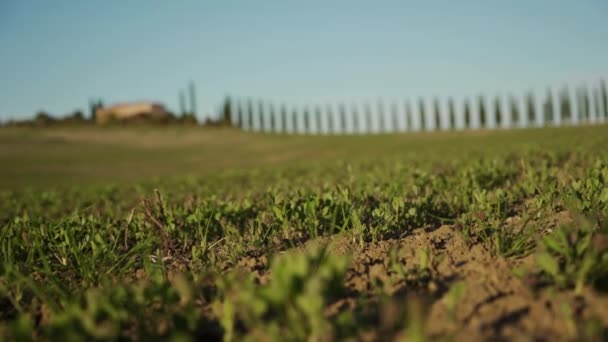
(319, 116)
(586, 102)
(342, 110)
(368, 117)
(482, 112)
(548, 108)
(598, 105)
(515, 117)
(394, 115)
(582, 108)
(579, 107)
(355, 112)
(565, 106)
(227, 111)
(578, 104)
(192, 98)
(283, 119)
(250, 114)
(294, 118)
(92, 110)
(261, 116)
(381, 127)
(604, 94)
(306, 121)
(452, 113)
(330, 120)
(437, 114)
(467, 114)
(408, 117)
(497, 113)
(531, 109)
(422, 114)
(94, 106)
(273, 119)
(239, 115)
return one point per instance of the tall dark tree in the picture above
(43, 118)
(604, 94)
(273, 119)
(330, 119)
(192, 89)
(283, 119)
(531, 109)
(497, 113)
(583, 113)
(239, 115)
(578, 104)
(368, 117)
(319, 120)
(483, 116)
(94, 106)
(565, 107)
(227, 111)
(548, 108)
(467, 114)
(395, 117)
(355, 112)
(250, 114)
(381, 126)
(294, 120)
(452, 113)
(514, 109)
(261, 116)
(422, 114)
(408, 117)
(306, 117)
(586, 102)
(76, 115)
(342, 109)
(597, 101)
(579, 110)
(437, 114)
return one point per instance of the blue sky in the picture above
(56, 55)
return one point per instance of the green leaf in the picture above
(278, 213)
(548, 263)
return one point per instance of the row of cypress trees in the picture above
(263, 116)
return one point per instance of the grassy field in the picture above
(187, 233)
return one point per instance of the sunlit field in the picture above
(198, 233)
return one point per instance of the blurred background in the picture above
(180, 87)
(339, 66)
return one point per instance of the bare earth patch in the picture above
(494, 304)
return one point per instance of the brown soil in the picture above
(495, 305)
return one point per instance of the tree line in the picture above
(563, 107)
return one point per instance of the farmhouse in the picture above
(133, 111)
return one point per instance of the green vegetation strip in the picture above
(160, 258)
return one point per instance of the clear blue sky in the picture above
(56, 55)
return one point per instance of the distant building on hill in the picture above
(133, 111)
